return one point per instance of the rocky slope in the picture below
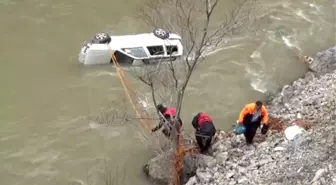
(308, 159)
(311, 160)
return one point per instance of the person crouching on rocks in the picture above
(169, 114)
(252, 116)
(205, 130)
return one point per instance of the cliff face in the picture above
(310, 158)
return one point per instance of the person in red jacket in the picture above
(205, 130)
(169, 114)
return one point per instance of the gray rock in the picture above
(222, 157)
(216, 175)
(154, 168)
(204, 176)
(324, 62)
(229, 175)
(279, 148)
(243, 180)
(159, 169)
(318, 174)
(206, 161)
(232, 182)
(192, 181)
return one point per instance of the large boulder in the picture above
(160, 168)
(324, 62)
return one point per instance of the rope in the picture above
(178, 162)
(121, 75)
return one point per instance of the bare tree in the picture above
(201, 32)
(202, 28)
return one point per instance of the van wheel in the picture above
(161, 33)
(102, 38)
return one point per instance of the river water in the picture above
(45, 137)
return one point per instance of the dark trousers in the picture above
(204, 142)
(251, 127)
(204, 136)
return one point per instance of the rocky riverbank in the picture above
(308, 159)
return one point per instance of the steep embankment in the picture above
(308, 159)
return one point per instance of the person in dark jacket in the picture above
(252, 116)
(169, 114)
(205, 130)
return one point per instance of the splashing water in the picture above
(287, 41)
(257, 82)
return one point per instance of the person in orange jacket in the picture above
(252, 116)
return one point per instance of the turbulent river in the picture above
(46, 94)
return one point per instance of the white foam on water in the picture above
(312, 5)
(213, 50)
(144, 102)
(233, 62)
(101, 73)
(287, 41)
(78, 182)
(256, 55)
(291, 42)
(276, 18)
(210, 52)
(105, 73)
(256, 80)
(258, 85)
(94, 125)
(303, 16)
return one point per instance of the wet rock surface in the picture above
(309, 158)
